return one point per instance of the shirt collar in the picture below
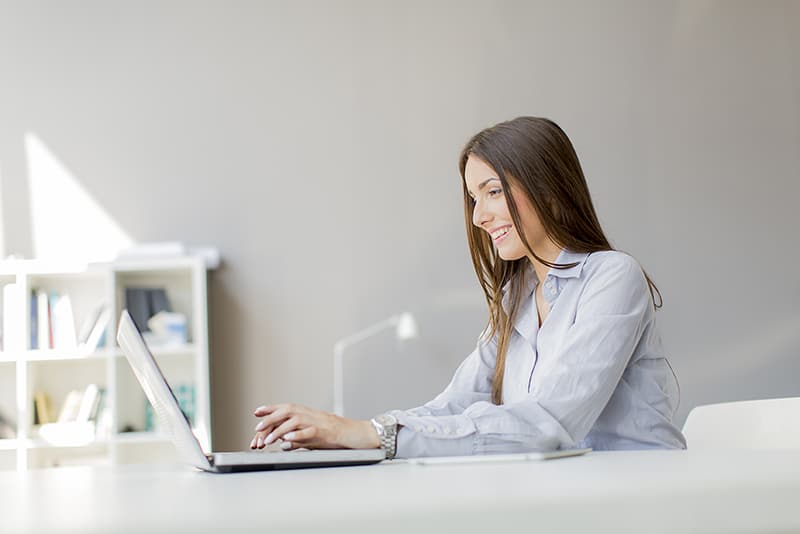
(529, 274)
(527, 323)
(567, 257)
(564, 258)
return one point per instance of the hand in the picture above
(300, 426)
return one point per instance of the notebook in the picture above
(168, 410)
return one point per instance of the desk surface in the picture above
(639, 491)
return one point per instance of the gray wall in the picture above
(315, 144)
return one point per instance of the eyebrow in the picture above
(482, 185)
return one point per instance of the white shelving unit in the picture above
(24, 372)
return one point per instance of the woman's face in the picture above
(490, 211)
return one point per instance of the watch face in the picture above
(386, 420)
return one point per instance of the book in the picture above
(81, 406)
(42, 410)
(34, 321)
(92, 333)
(88, 407)
(43, 323)
(52, 300)
(88, 323)
(143, 303)
(63, 323)
(71, 407)
(103, 417)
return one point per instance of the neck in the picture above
(548, 251)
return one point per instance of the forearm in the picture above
(360, 435)
(481, 429)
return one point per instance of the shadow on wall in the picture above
(67, 223)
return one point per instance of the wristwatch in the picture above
(386, 427)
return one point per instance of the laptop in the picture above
(169, 413)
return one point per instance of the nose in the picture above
(480, 215)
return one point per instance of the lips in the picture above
(499, 233)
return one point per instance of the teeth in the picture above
(499, 233)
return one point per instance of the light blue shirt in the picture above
(593, 375)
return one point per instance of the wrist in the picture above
(372, 440)
(385, 426)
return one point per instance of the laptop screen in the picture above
(158, 392)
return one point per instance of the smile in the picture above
(499, 233)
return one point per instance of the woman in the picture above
(571, 356)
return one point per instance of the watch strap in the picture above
(387, 434)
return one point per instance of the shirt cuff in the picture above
(452, 435)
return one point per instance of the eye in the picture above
(494, 192)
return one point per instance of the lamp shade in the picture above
(406, 327)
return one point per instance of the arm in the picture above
(570, 389)
(300, 426)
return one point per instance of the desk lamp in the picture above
(405, 327)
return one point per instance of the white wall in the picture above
(315, 144)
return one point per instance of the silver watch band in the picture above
(386, 427)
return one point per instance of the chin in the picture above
(508, 255)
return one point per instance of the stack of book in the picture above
(53, 324)
(80, 421)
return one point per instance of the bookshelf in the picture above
(41, 368)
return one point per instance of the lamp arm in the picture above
(338, 358)
(367, 332)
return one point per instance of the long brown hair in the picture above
(538, 158)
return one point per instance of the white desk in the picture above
(642, 492)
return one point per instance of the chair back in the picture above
(756, 424)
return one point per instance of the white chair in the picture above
(758, 424)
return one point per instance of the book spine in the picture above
(88, 402)
(34, 333)
(63, 320)
(43, 322)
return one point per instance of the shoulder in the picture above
(616, 274)
(612, 263)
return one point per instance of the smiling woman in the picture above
(571, 356)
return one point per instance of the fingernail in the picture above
(289, 436)
(260, 409)
(253, 444)
(260, 442)
(286, 445)
(260, 426)
(270, 439)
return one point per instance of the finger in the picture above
(274, 419)
(293, 423)
(258, 439)
(263, 425)
(304, 434)
(270, 408)
(263, 410)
